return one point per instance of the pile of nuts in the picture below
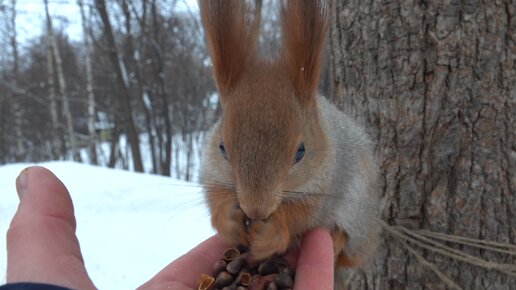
(235, 271)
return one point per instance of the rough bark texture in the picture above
(434, 82)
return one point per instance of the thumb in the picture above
(315, 263)
(41, 242)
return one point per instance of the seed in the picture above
(236, 265)
(281, 263)
(230, 254)
(224, 279)
(283, 280)
(238, 271)
(244, 279)
(267, 267)
(206, 282)
(251, 263)
(288, 271)
(272, 286)
(258, 284)
(218, 267)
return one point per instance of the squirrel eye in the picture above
(223, 150)
(300, 153)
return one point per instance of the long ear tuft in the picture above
(304, 25)
(231, 28)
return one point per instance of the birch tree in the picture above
(92, 136)
(17, 109)
(62, 83)
(55, 145)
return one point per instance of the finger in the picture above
(315, 262)
(186, 270)
(41, 242)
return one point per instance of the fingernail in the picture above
(22, 183)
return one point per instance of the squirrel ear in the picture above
(231, 29)
(304, 26)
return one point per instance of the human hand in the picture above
(42, 246)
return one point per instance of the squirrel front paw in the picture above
(229, 220)
(268, 237)
(264, 237)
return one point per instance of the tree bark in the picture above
(137, 58)
(17, 108)
(434, 82)
(159, 77)
(62, 85)
(123, 83)
(56, 145)
(92, 135)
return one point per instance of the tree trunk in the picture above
(92, 135)
(434, 82)
(17, 108)
(55, 144)
(136, 56)
(114, 147)
(123, 84)
(159, 77)
(62, 85)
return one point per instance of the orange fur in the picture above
(280, 230)
(231, 31)
(304, 24)
(226, 217)
(273, 235)
(339, 244)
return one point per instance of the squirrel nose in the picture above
(256, 213)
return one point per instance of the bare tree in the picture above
(136, 58)
(159, 77)
(153, 54)
(123, 84)
(56, 128)
(62, 84)
(434, 82)
(92, 136)
(12, 144)
(17, 113)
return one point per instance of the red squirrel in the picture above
(281, 159)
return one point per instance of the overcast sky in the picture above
(65, 14)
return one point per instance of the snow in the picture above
(130, 225)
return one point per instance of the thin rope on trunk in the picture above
(427, 240)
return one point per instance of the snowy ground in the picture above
(129, 225)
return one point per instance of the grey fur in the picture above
(355, 208)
